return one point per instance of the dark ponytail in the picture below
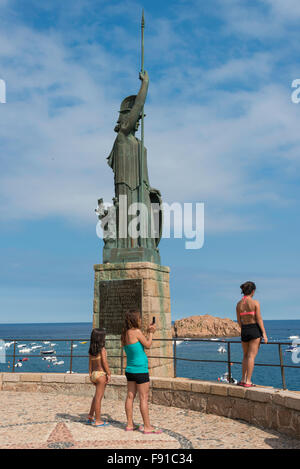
(97, 341)
(247, 288)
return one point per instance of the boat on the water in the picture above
(48, 352)
(292, 348)
(222, 349)
(8, 344)
(224, 379)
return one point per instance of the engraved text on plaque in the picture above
(117, 297)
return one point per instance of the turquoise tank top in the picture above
(137, 360)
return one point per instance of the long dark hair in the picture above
(97, 341)
(132, 321)
(247, 288)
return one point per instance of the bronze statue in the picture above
(128, 160)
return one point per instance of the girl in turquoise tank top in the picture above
(137, 373)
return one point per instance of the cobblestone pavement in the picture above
(37, 420)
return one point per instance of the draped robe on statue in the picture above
(124, 160)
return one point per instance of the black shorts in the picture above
(250, 332)
(139, 378)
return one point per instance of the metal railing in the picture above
(230, 362)
(71, 355)
(174, 358)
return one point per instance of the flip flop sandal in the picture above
(154, 431)
(105, 424)
(136, 427)
(89, 421)
(249, 385)
(240, 383)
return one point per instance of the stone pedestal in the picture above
(141, 285)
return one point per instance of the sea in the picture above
(56, 337)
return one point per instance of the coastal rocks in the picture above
(205, 326)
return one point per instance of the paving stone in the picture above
(58, 421)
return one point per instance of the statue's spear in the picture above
(142, 128)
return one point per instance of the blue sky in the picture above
(220, 129)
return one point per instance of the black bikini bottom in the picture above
(250, 332)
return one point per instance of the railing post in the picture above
(281, 367)
(14, 357)
(229, 363)
(175, 361)
(71, 357)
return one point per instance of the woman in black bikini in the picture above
(252, 330)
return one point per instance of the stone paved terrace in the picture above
(49, 411)
(44, 420)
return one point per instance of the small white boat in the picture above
(224, 379)
(8, 344)
(25, 350)
(21, 345)
(292, 348)
(74, 345)
(52, 345)
(59, 363)
(36, 347)
(68, 372)
(47, 352)
(178, 342)
(46, 342)
(17, 365)
(294, 337)
(222, 349)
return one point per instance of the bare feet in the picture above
(99, 422)
(90, 419)
(131, 427)
(151, 430)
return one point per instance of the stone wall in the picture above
(266, 407)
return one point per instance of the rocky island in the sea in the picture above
(205, 326)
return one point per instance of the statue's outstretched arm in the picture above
(136, 110)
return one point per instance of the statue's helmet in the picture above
(127, 103)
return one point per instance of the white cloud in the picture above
(204, 142)
(284, 10)
(263, 19)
